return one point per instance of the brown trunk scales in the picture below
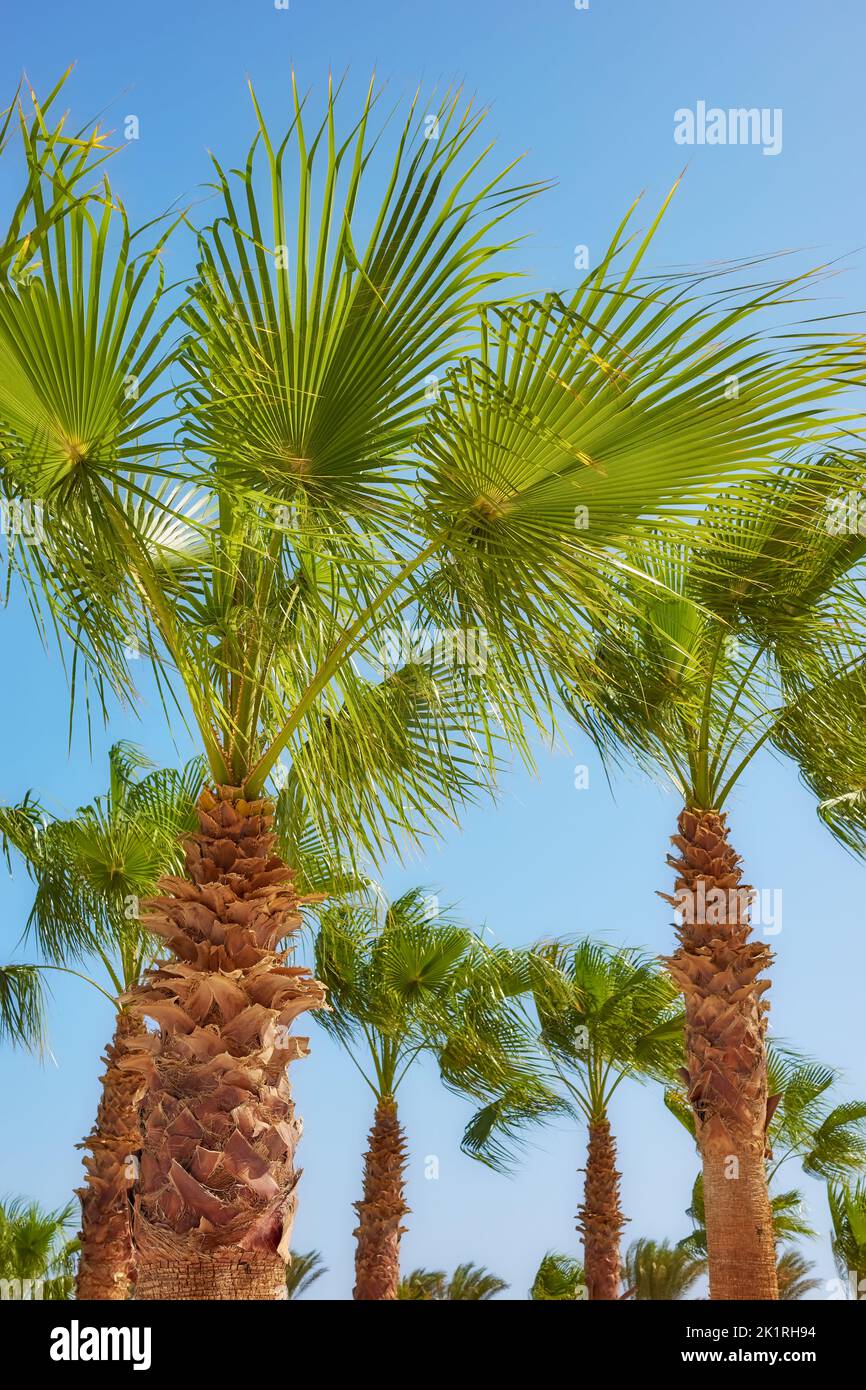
(717, 968)
(216, 1193)
(382, 1208)
(106, 1267)
(600, 1219)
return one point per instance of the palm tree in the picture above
(469, 1282)
(251, 488)
(558, 1277)
(692, 683)
(302, 1272)
(90, 872)
(603, 1015)
(654, 1269)
(37, 1255)
(848, 1214)
(404, 982)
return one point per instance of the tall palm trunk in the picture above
(717, 967)
(106, 1268)
(382, 1208)
(216, 1195)
(600, 1219)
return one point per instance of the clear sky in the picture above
(591, 96)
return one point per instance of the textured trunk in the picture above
(215, 1279)
(106, 1267)
(600, 1219)
(382, 1208)
(717, 967)
(216, 1193)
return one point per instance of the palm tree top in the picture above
(594, 1015)
(254, 488)
(406, 978)
(716, 649)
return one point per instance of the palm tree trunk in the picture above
(600, 1219)
(717, 967)
(106, 1267)
(216, 1194)
(382, 1208)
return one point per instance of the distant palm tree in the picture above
(657, 1270)
(469, 1282)
(602, 1015)
(793, 1272)
(304, 1268)
(410, 982)
(558, 1277)
(35, 1245)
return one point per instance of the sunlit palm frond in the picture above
(22, 1006)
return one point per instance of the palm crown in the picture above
(601, 1015)
(721, 640)
(299, 497)
(90, 870)
(407, 978)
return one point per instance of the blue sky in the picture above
(590, 96)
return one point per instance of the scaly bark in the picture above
(106, 1267)
(382, 1208)
(216, 1192)
(600, 1219)
(717, 967)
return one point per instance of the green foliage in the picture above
(558, 1277)
(828, 1140)
(258, 499)
(35, 1244)
(658, 1270)
(90, 871)
(22, 1006)
(303, 1269)
(468, 1283)
(595, 1016)
(88, 867)
(406, 978)
(794, 1277)
(848, 1239)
